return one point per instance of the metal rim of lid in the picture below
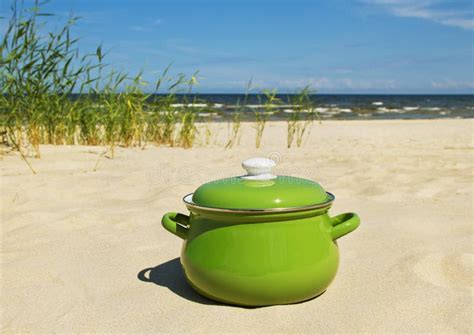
(187, 199)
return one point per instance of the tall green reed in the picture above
(237, 118)
(38, 74)
(301, 118)
(269, 103)
(188, 113)
(40, 71)
(51, 93)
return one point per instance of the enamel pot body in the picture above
(260, 259)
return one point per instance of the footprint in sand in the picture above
(447, 270)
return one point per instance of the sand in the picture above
(84, 251)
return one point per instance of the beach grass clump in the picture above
(188, 130)
(165, 112)
(233, 137)
(188, 114)
(38, 73)
(269, 105)
(301, 117)
(208, 120)
(234, 129)
(51, 93)
(162, 121)
(132, 124)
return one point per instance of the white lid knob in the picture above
(259, 169)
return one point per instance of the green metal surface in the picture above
(260, 260)
(238, 193)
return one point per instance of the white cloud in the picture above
(431, 10)
(337, 83)
(451, 84)
(147, 27)
(320, 83)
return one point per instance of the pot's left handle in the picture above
(176, 223)
(343, 224)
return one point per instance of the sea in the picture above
(341, 106)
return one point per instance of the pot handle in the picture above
(343, 224)
(176, 223)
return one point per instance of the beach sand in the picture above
(84, 251)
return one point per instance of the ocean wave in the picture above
(409, 109)
(165, 112)
(321, 110)
(259, 106)
(189, 105)
(382, 110)
(290, 111)
(377, 103)
(289, 106)
(326, 112)
(332, 111)
(345, 110)
(207, 114)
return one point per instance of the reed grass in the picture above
(237, 118)
(235, 129)
(52, 93)
(32, 67)
(39, 73)
(187, 116)
(207, 130)
(269, 103)
(302, 117)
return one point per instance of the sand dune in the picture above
(83, 251)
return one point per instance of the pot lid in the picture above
(260, 190)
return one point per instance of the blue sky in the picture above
(337, 46)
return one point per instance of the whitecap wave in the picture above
(321, 110)
(382, 110)
(289, 110)
(207, 114)
(345, 110)
(189, 105)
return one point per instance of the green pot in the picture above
(260, 239)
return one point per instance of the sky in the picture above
(336, 46)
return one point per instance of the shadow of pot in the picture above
(170, 274)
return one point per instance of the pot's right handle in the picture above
(343, 224)
(176, 223)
